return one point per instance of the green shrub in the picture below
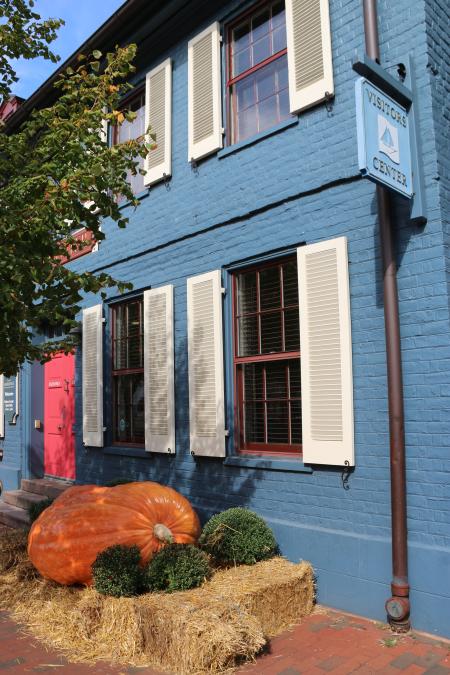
(35, 509)
(177, 567)
(238, 536)
(116, 571)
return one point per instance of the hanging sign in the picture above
(384, 152)
(11, 399)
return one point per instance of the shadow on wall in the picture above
(403, 232)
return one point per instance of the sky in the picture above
(82, 18)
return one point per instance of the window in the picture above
(258, 90)
(129, 131)
(128, 373)
(267, 358)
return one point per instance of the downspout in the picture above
(397, 606)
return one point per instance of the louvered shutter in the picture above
(205, 351)
(2, 410)
(326, 353)
(159, 370)
(93, 377)
(158, 115)
(309, 52)
(204, 93)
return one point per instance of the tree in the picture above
(57, 174)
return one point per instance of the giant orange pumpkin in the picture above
(67, 537)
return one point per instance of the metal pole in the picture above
(398, 606)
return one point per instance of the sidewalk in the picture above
(325, 642)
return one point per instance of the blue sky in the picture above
(82, 18)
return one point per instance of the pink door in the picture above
(59, 416)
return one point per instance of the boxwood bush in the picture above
(177, 567)
(116, 571)
(238, 536)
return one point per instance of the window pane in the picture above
(278, 15)
(135, 352)
(134, 318)
(254, 423)
(260, 25)
(241, 37)
(283, 101)
(278, 422)
(291, 330)
(138, 412)
(132, 130)
(270, 288)
(276, 380)
(245, 93)
(265, 82)
(120, 332)
(294, 378)
(246, 285)
(123, 408)
(261, 50)
(296, 422)
(268, 113)
(279, 39)
(128, 338)
(271, 342)
(242, 61)
(247, 123)
(290, 283)
(253, 381)
(248, 336)
(282, 72)
(129, 413)
(120, 354)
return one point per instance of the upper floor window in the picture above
(132, 130)
(258, 90)
(128, 373)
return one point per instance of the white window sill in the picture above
(268, 463)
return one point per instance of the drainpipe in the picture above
(397, 606)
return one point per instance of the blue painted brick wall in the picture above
(302, 185)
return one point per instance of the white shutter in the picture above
(205, 352)
(159, 370)
(309, 52)
(204, 93)
(93, 377)
(158, 115)
(326, 353)
(2, 410)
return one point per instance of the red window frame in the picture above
(230, 80)
(117, 372)
(241, 446)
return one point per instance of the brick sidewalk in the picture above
(326, 642)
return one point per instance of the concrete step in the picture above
(21, 498)
(13, 516)
(46, 487)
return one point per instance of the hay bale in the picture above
(13, 548)
(277, 592)
(204, 630)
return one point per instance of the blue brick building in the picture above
(254, 180)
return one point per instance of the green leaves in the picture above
(58, 177)
(23, 34)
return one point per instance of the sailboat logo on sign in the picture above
(388, 139)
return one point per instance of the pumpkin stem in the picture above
(163, 533)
